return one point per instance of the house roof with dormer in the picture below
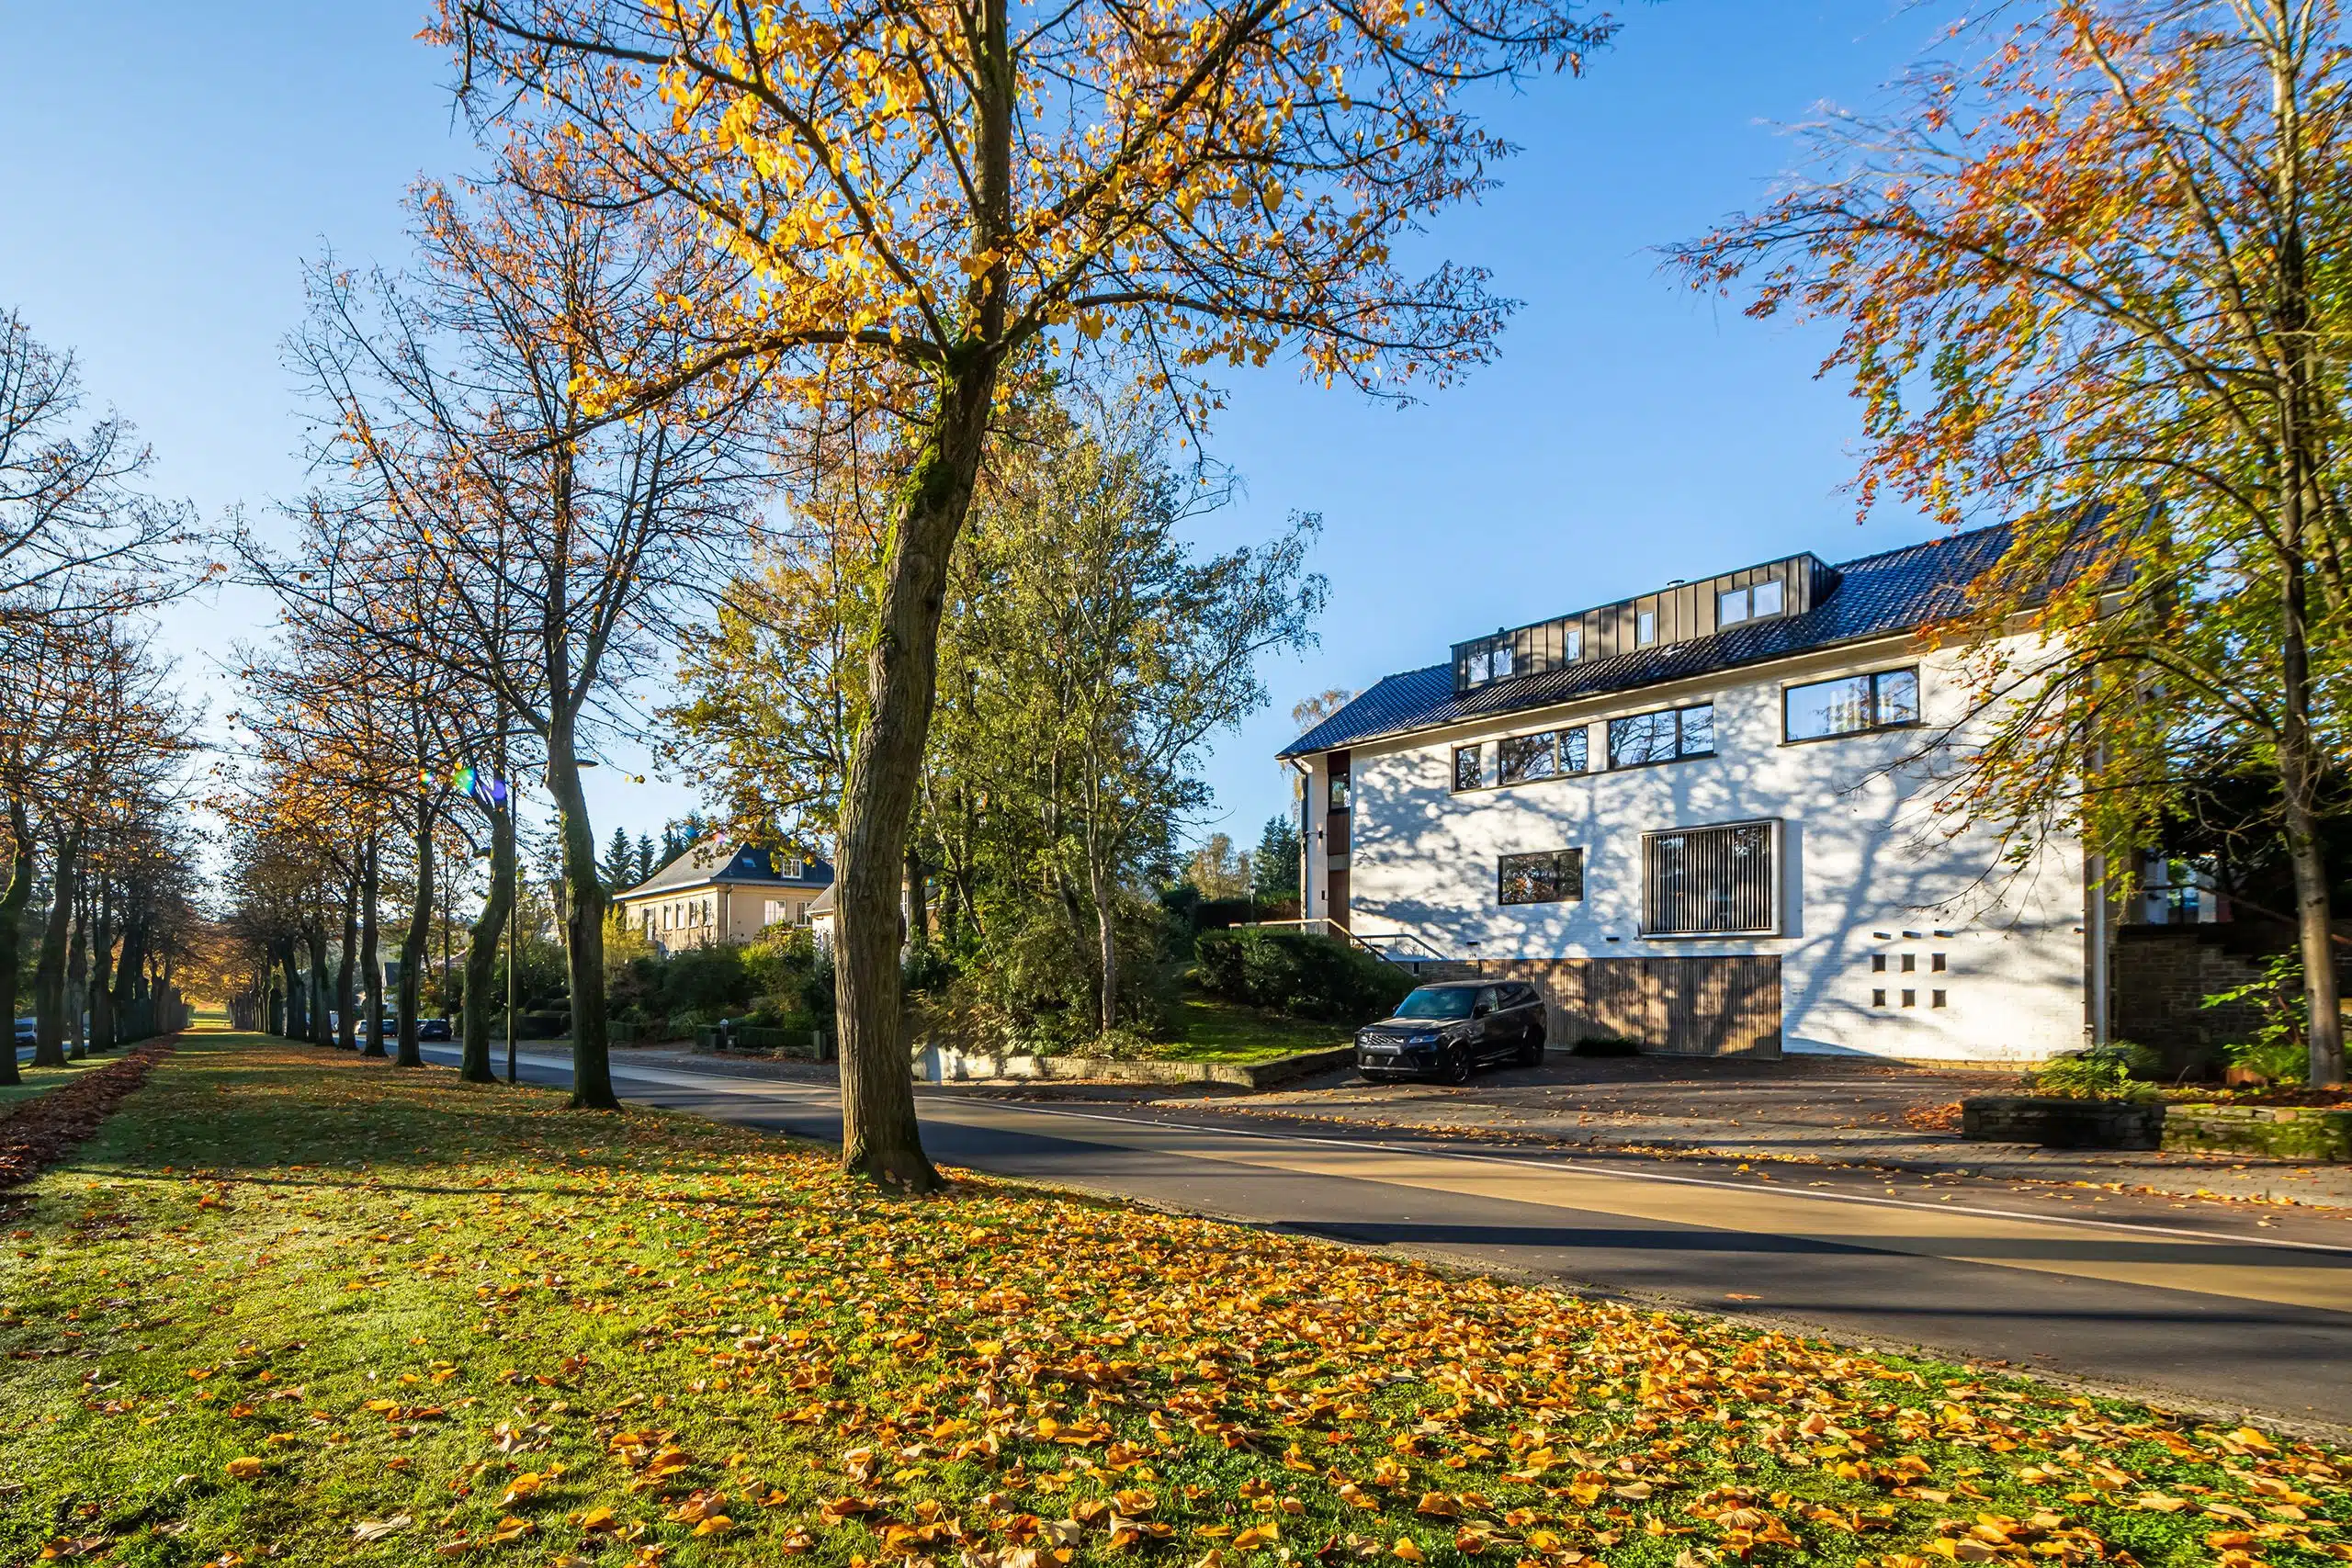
(715, 862)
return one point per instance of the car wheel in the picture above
(1455, 1069)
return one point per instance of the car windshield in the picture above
(1433, 1001)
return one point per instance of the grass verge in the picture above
(1207, 1031)
(291, 1304)
(40, 1080)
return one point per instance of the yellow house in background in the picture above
(716, 892)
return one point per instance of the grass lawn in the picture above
(292, 1304)
(1205, 1031)
(40, 1080)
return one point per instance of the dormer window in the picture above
(1755, 602)
(1645, 628)
(1487, 661)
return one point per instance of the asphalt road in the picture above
(2201, 1307)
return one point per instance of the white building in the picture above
(717, 892)
(1701, 813)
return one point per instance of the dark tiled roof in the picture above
(1876, 596)
(713, 860)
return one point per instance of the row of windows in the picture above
(1819, 710)
(1714, 881)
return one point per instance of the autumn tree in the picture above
(2085, 279)
(79, 538)
(929, 201)
(542, 549)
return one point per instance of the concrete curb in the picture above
(940, 1066)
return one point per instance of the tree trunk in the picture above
(482, 951)
(294, 1027)
(371, 968)
(1106, 935)
(584, 928)
(127, 970)
(49, 975)
(12, 928)
(77, 986)
(346, 971)
(105, 1032)
(413, 941)
(880, 1137)
(314, 1003)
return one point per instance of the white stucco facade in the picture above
(1864, 873)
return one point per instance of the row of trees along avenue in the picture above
(95, 857)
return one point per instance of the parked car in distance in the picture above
(1447, 1031)
(434, 1029)
(27, 1033)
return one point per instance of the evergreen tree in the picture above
(621, 863)
(1274, 868)
(644, 856)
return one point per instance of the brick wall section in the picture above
(2062, 1124)
(2160, 978)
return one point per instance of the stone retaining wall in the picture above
(2064, 1123)
(2283, 1132)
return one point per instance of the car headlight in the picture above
(1423, 1040)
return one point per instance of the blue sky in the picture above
(173, 165)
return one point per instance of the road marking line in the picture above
(1614, 1192)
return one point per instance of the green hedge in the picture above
(1306, 977)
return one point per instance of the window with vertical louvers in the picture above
(1708, 881)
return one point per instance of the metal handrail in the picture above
(1304, 923)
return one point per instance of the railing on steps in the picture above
(1323, 925)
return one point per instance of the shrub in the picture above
(1292, 972)
(2099, 1072)
(2278, 1061)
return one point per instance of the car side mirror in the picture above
(1479, 1010)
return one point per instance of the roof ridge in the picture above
(1919, 545)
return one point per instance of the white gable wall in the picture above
(1862, 869)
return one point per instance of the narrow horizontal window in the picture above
(1851, 704)
(1662, 737)
(1548, 876)
(1708, 881)
(1523, 757)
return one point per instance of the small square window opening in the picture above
(1910, 963)
(1910, 998)
(1731, 606)
(1766, 599)
(1935, 962)
(1878, 963)
(1935, 998)
(1878, 998)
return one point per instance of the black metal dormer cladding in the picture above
(1679, 612)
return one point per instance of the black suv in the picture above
(1445, 1031)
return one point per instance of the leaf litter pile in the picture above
(297, 1307)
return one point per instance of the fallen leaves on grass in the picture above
(752, 1355)
(51, 1125)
